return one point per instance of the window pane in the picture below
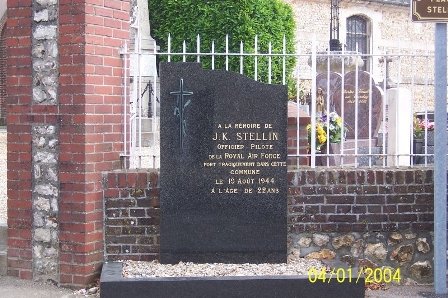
(357, 36)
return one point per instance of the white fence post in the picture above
(399, 124)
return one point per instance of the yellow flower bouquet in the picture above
(331, 123)
(321, 135)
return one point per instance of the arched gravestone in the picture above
(361, 92)
(332, 80)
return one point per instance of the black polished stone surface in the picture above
(223, 167)
(113, 285)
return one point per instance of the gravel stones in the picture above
(140, 269)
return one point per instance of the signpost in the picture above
(437, 11)
(440, 160)
(429, 11)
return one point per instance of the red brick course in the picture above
(319, 200)
(132, 215)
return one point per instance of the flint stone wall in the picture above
(364, 217)
(45, 137)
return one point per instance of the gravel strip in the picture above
(2, 175)
(139, 269)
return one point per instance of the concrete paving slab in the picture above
(405, 292)
(12, 287)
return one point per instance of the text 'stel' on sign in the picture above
(429, 10)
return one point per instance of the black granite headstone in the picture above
(223, 167)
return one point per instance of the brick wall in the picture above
(342, 200)
(372, 218)
(362, 216)
(132, 215)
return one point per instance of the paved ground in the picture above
(405, 292)
(11, 287)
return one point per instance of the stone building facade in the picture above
(389, 25)
(388, 31)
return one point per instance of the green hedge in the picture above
(240, 19)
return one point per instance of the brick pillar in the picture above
(18, 108)
(90, 36)
(64, 116)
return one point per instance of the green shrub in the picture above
(270, 20)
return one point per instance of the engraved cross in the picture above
(180, 109)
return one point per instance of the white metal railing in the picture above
(410, 94)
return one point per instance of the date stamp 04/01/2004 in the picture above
(340, 275)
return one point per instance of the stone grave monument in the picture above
(366, 87)
(223, 189)
(352, 101)
(223, 167)
(361, 92)
(332, 80)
